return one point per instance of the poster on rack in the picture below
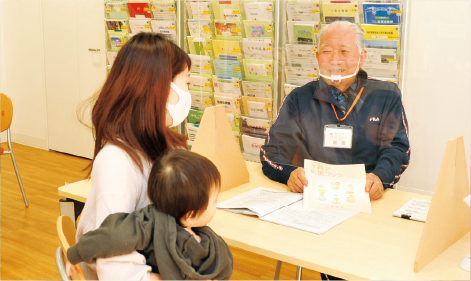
(336, 187)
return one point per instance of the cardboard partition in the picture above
(216, 142)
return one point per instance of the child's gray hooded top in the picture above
(170, 250)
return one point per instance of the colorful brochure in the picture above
(111, 56)
(257, 48)
(262, 11)
(200, 64)
(303, 32)
(226, 49)
(381, 69)
(195, 116)
(376, 55)
(289, 88)
(387, 79)
(163, 10)
(198, 10)
(303, 11)
(251, 144)
(200, 82)
(226, 85)
(299, 55)
(230, 102)
(228, 29)
(340, 12)
(116, 10)
(139, 10)
(255, 125)
(116, 39)
(381, 13)
(166, 27)
(139, 25)
(257, 89)
(200, 28)
(381, 32)
(117, 24)
(257, 107)
(234, 119)
(300, 75)
(336, 187)
(258, 29)
(199, 45)
(231, 68)
(200, 100)
(191, 131)
(227, 10)
(261, 70)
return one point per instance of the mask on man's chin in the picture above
(336, 79)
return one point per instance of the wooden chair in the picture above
(66, 231)
(6, 118)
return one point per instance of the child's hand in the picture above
(155, 276)
(70, 269)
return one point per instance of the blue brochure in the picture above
(382, 13)
(229, 68)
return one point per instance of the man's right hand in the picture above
(297, 180)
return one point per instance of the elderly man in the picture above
(366, 115)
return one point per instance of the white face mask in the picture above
(339, 78)
(180, 110)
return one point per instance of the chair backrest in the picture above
(66, 231)
(6, 112)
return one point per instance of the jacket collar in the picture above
(323, 90)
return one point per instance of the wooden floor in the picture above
(28, 235)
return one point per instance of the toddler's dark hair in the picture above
(181, 181)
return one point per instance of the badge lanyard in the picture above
(340, 136)
(349, 110)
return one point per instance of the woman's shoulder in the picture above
(111, 154)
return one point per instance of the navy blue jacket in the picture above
(380, 130)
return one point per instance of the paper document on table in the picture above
(260, 201)
(316, 221)
(336, 187)
(415, 209)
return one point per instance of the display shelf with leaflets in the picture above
(231, 45)
(242, 60)
(302, 21)
(124, 18)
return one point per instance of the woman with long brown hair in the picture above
(145, 93)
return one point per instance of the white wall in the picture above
(22, 70)
(437, 86)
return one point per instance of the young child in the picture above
(171, 232)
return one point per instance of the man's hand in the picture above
(374, 186)
(297, 180)
(70, 269)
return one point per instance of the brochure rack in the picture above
(247, 55)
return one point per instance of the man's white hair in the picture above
(360, 36)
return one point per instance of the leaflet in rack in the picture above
(381, 13)
(284, 208)
(303, 11)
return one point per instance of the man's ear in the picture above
(363, 56)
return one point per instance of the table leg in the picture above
(278, 270)
(70, 207)
(299, 273)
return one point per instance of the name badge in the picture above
(338, 136)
